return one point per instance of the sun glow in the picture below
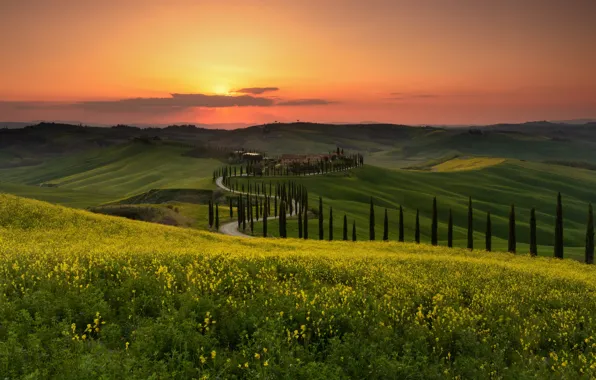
(221, 89)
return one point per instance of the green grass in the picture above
(91, 296)
(110, 174)
(492, 189)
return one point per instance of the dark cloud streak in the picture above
(257, 90)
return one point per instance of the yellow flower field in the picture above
(84, 295)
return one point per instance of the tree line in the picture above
(292, 169)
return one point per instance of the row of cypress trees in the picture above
(294, 198)
(316, 167)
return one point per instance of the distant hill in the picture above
(387, 145)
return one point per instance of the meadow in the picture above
(492, 187)
(87, 296)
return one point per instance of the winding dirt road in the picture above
(231, 228)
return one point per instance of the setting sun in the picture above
(221, 89)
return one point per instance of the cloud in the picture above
(257, 90)
(175, 103)
(305, 102)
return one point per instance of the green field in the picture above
(493, 188)
(109, 174)
(87, 296)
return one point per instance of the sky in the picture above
(259, 61)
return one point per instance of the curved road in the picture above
(231, 228)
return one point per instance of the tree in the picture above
(371, 221)
(450, 230)
(512, 245)
(434, 233)
(265, 216)
(559, 229)
(533, 238)
(252, 223)
(305, 229)
(386, 227)
(330, 223)
(239, 210)
(321, 232)
(345, 230)
(470, 225)
(275, 206)
(590, 237)
(417, 227)
(216, 217)
(231, 209)
(210, 214)
(354, 231)
(401, 224)
(299, 224)
(488, 236)
(282, 222)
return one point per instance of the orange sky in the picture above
(402, 61)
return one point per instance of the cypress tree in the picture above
(345, 230)
(386, 227)
(252, 224)
(257, 201)
(401, 224)
(434, 233)
(321, 219)
(371, 221)
(210, 214)
(330, 223)
(354, 231)
(231, 209)
(590, 237)
(470, 225)
(299, 224)
(281, 219)
(275, 206)
(533, 237)
(265, 217)
(559, 229)
(417, 227)
(488, 236)
(239, 211)
(450, 230)
(244, 216)
(305, 229)
(216, 217)
(512, 245)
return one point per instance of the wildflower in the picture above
(84, 336)
(213, 354)
(264, 349)
(257, 356)
(203, 360)
(127, 344)
(246, 365)
(266, 363)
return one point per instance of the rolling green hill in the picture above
(493, 188)
(105, 174)
(84, 294)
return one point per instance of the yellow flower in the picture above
(246, 365)
(266, 363)
(257, 356)
(213, 353)
(127, 344)
(84, 336)
(264, 350)
(203, 360)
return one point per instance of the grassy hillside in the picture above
(492, 188)
(110, 174)
(84, 295)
